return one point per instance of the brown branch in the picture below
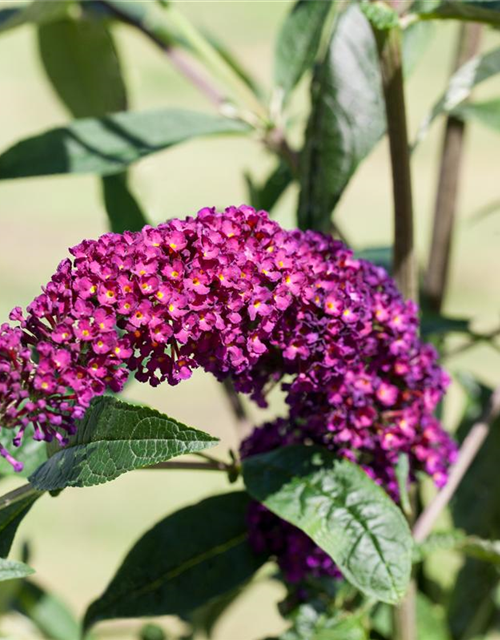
(182, 63)
(476, 338)
(468, 452)
(391, 66)
(449, 172)
(404, 264)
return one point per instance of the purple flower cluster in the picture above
(239, 296)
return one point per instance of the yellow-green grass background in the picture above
(80, 538)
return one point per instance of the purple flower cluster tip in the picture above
(235, 294)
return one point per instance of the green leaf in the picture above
(113, 438)
(487, 11)
(186, 560)
(236, 65)
(460, 86)
(123, 210)
(416, 38)
(402, 476)
(431, 620)
(12, 511)
(487, 113)
(312, 621)
(438, 541)
(108, 145)
(46, 612)
(345, 513)
(347, 118)
(267, 194)
(476, 509)
(36, 12)
(30, 452)
(80, 59)
(298, 42)
(473, 546)
(10, 570)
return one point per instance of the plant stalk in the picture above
(468, 451)
(153, 28)
(436, 276)
(238, 408)
(389, 43)
(391, 66)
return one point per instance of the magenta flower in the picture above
(238, 296)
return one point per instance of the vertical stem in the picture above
(404, 265)
(405, 274)
(237, 408)
(447, 190)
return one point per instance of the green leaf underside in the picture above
(10, 570)
(298, 42)
(186, 560)
(113, 438)
(487, 113)
(346, 121)
(487, 11)
(337, 505)
(460, 86)
(109, 144)
(80, 59)
(124, 212)
(10, 519)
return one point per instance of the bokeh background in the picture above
(79, 539)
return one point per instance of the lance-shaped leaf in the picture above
(431, 620)
(266, 195)
(36, 12)
(347, 118)
(82, 64)
(298, 42)
(186, 560)
(487, 11)
(46, 612)
(487, 113)
(345, 513)
(124, 212)
(10, 570)
(80, 59)
(472, 546)
(115, 437)
(460, 86)
(13, 508)
(476, 510)
(109, 144)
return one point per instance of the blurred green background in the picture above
(79, 539)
